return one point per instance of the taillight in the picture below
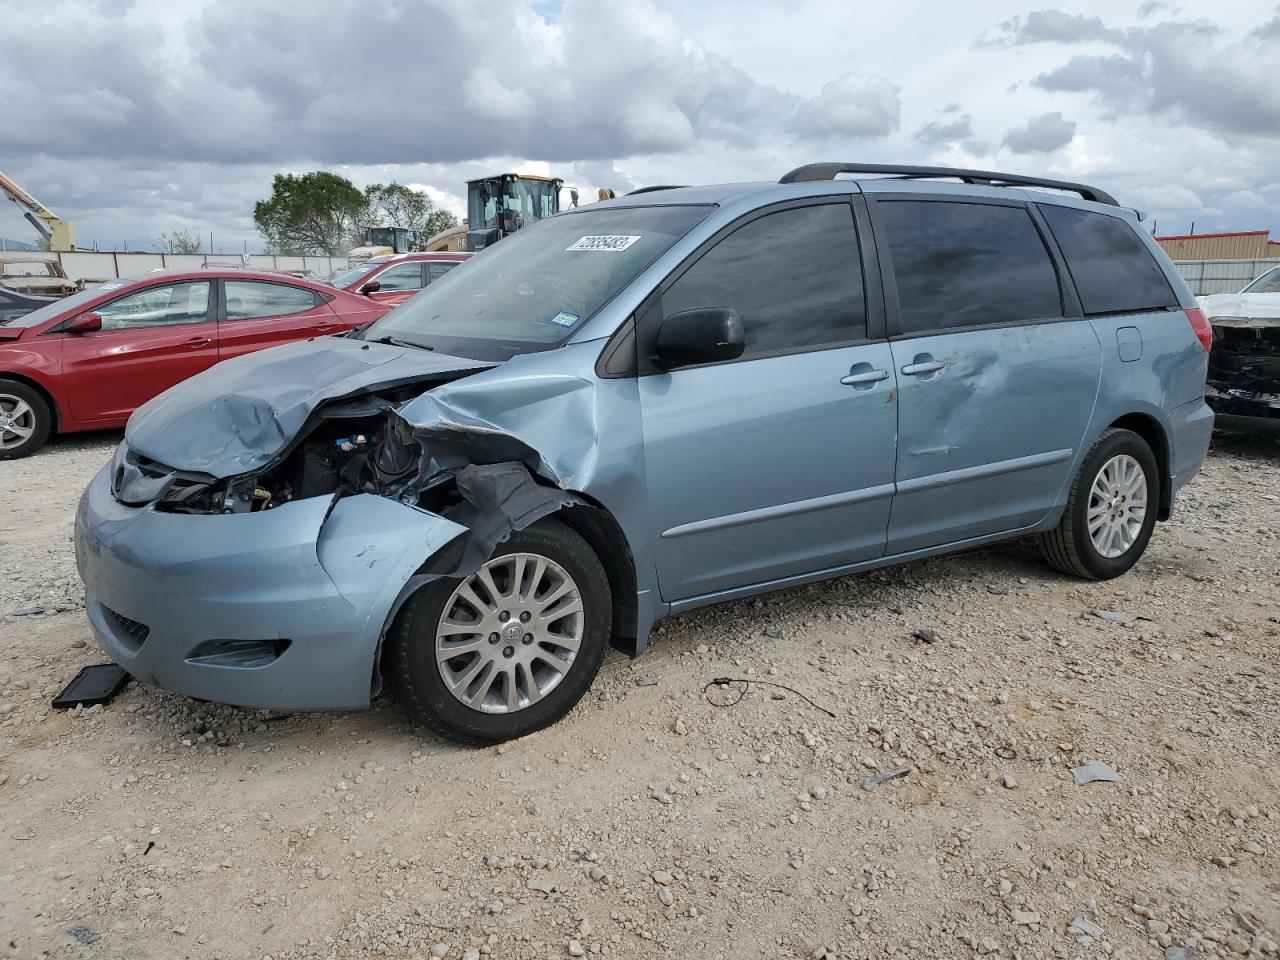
(1204, 332)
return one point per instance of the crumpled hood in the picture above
(240, 414)
(1242, 307)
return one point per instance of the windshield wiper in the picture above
(393, 341)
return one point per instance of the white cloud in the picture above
(164, 114)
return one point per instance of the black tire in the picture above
(416, 679)
(40, 418)
(1068, 547)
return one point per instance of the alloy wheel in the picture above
(509, 633)
(1117, 506)
(17, 421)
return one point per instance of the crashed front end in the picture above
(262, 564)
(1243, 385)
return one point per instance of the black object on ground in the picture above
(746, 685)
(93, 685)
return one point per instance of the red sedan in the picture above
(88, 361)
(395, 278)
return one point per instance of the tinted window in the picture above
(793, 276)
(438, 268)
(251, 299)
(965, 264)
(402, 276)
(1113, 270)
(170, 303)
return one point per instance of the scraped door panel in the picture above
(986, 442)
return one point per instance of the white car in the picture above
(1244, 366)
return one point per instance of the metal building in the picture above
(1239, 245)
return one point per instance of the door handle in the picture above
(197, 342)
(922, 368)
(867, 376)
(324, 326)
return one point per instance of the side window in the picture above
(967, 264)
(438, 268)
(794, 277)
(402, 276)
(169, 303)
(1113, 270)
(255, 299)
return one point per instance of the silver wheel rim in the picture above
(1117, 506)
(509, 633)
(17, 421)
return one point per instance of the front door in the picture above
(996, 387)
(150, 340)
(780, 463)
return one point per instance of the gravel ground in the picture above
(654, 823)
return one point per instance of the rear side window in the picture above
(967, 264)
(794, 277)
(254, 299)
(1113, 270)
(438, 268)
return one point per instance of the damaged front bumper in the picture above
(281, 609)
(1243, 385)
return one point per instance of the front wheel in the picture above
(1111, 509)
(25, 420)
(509, 649)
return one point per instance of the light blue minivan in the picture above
(640, 407)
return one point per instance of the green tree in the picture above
(395, 205)
(179, 240)
(314, 212)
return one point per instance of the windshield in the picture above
(30, 268)
(527, 201)
(37, 317)
(349, 278)
(1269, 282)
(536, 288)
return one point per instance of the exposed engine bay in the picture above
(487, 482)
(361, 453)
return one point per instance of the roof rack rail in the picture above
(661, 186)
(828, 171)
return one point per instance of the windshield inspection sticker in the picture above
(606, 244)
(564, 319)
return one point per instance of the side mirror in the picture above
(85, 323)
(700, 335)
(373, 286)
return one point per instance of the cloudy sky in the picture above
(131, 118)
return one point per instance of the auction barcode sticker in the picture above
(607, 244)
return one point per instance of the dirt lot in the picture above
(651, 823)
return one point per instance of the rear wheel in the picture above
(25, 420)
(1110, 512)
(510, 648)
